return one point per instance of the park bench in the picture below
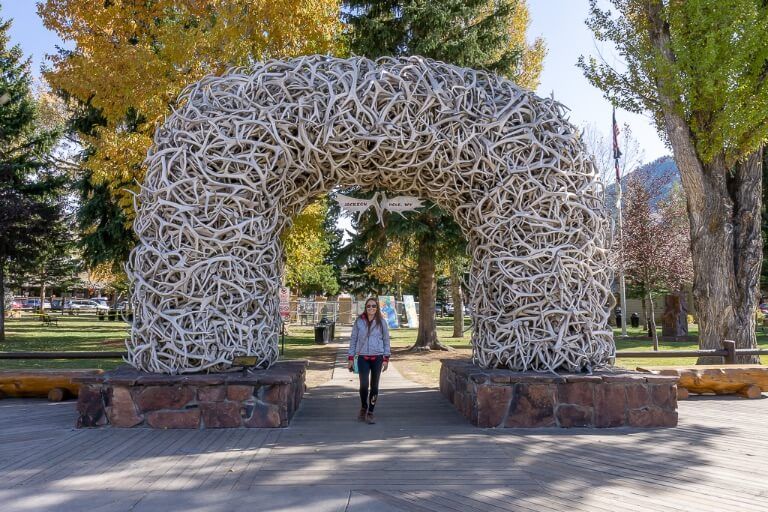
(49, 320)
(747, 380)
(56, 385)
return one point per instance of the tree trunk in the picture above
(42, 297)
(645, 313)
(458, 302)
(654, 334)
(724, 211)
(726, 246)
(427, 336)
(2, 301)
(675, 318)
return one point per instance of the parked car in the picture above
(449, 309)
(17, 303)
(104, 301)
(34, 303)
(83, 305)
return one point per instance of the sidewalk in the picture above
(421, 455)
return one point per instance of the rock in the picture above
(637, 396)
(532, 406)
(577, 393)
(569, 415)
(187, 418)
(222, 414)
(211, 393)
(663, 395)
(153, 398)
(492, 405)
(261, 415)
(90, 406)
(121, 410)
(239, 393)
(652, 416)
(274, 393)
(610, 405)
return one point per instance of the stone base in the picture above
(127, 397)
(505, 398)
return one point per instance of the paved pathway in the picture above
(420, 456)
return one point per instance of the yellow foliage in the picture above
(141, 55)
(305, 245)
(529, 71)
(394, 265)
(104, 276)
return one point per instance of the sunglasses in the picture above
(371, 306)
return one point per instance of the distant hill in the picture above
(650, 172)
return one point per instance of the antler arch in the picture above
(245, 151)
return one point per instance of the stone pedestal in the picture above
(504, 398)
(127, 397)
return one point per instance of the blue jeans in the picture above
(369, 370)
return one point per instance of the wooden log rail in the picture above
(57, 385)
(728, 352)
(63, 355)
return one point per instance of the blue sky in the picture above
(559, 22)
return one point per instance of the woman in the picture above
(370, 345)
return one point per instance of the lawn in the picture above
(73, 333)
(86, 333)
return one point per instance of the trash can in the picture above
(332, 331)
(321, 332)
(618, 317)
(635, 320)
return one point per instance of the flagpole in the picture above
(622, 288)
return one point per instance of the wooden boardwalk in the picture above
(420, 456)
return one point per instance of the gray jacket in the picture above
(373, 343)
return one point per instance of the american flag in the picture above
(616, 150)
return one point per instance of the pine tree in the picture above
(29, 203)
(482, 34)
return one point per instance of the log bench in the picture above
(56, 385)
(747, 380)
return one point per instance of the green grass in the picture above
(73, 333)
(637, 341)
(405, 337)
(80, 333)
(88, 334)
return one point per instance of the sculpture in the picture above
(246, 151)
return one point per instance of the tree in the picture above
(55, 263)
(701, 70)
(392, 265)
(481, 34)
(601, 150)
(28, 191)
(656, 248)
(306, 248)
(130, 62)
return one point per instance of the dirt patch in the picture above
(424, 367)
(319, 371)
